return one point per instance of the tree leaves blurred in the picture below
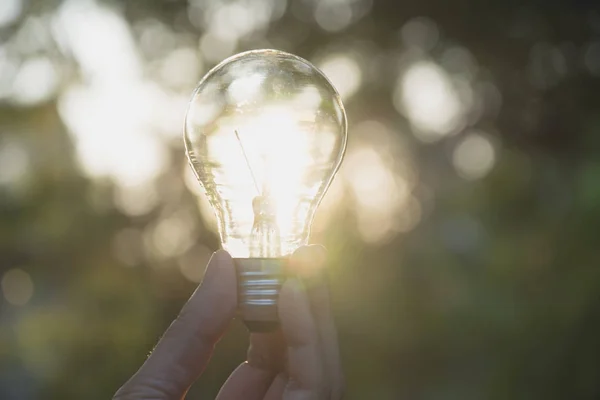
(464, 266)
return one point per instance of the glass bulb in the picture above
(265, 132)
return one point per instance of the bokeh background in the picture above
(463, 227)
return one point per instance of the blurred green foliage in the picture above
(494, 294)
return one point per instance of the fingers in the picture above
(186, 346)
(310, 262)
(329, 346)
(267, 351)
(265, 357)
(252, 379)
(277, 388)
(246, 382)
(304, 363)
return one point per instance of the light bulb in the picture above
(265, 132)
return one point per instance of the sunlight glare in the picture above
(380, 179)
(216, 48)
(425, 94)
(17, 286)
(36, 81)
(181, 68)
(100, 40)
(333, 16)
(334, 202)
(111, 115)
(474, 156)
(345, 74)
(135, 200)
(173, 235)
(192, 262)
(245, 88)
(109, 138)
(377, 193)
(10, 10)
(277, 161)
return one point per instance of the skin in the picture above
(299, 362)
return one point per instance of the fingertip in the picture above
(219, 283)
(309, 261)
(220, 263)
(220, 257)
(310, 251)
(318, 248)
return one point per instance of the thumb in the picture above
(184, 350)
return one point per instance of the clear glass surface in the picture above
(265, 132)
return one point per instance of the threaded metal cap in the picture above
(259, 282)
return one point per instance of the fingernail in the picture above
(216, 258)
(206, 267)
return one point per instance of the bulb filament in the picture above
(237, 135)
(265, 240)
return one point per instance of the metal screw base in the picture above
(259, 283)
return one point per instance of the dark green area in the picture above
(494, 295)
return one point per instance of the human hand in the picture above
(298, 362)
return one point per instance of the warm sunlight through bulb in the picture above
(265, 132)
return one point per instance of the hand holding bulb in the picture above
(265, 132)
(300, 361)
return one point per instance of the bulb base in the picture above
(259, 282)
